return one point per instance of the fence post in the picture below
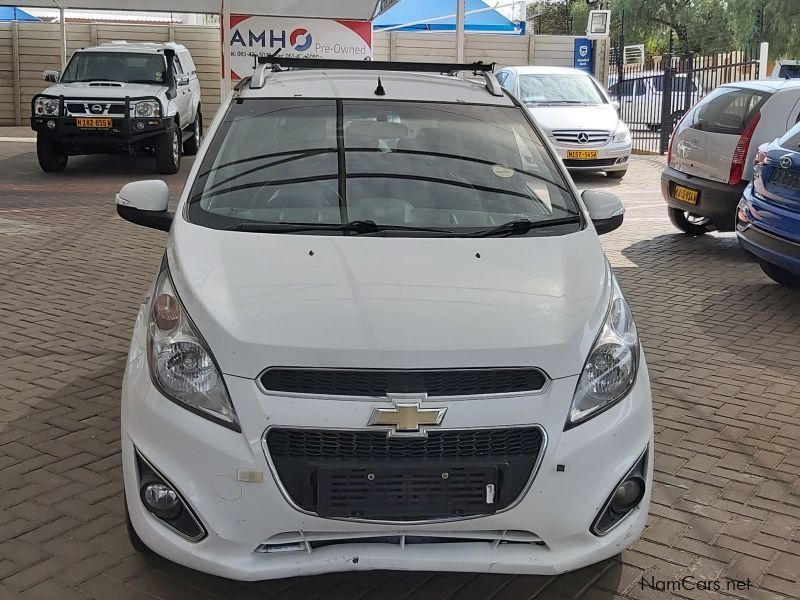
(93, 34)
(15, 68)
(666, 107)
(689, 83)
(531, 49)
(763, 60)
(392, 45)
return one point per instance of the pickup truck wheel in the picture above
(52, 156)
(191, 145)
(168, 151)
(779, 274)
(689, 223)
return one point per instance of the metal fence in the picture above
(655, 93)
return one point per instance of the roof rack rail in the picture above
(279, 62)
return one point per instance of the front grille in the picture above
(81, 108)
(380, 383)
(573, 136)
(367, 475)
(599, 162)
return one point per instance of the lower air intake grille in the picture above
(365, 475)
(380, 383)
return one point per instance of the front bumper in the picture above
(717, 201)
(766, 245)
(613, 156)
(578, 472)
(123, 132)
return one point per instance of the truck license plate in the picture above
(94, 123)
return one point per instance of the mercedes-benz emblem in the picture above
(97, 109)
(583, 138)
(786, 161)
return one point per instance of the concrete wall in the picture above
(26, 49)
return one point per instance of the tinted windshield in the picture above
(559, 89)
(425, 165)
(124, 67)
(791, 139)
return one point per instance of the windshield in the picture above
(124, 67)
(559, 89)
(422, 165)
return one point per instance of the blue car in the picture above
(768, 218)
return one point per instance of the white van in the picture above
(640, 96)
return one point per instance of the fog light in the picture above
(741, 216)
(139, 125)
(161, 500)
(51, 124)
(628, 494)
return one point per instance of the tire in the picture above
(192, 145)
(616, 174)
(689, 223)
(168, 151)
(134, 538)
(779, 274)
(52, 156)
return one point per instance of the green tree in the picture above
(551, 17)
(698, 25)
(781, 25)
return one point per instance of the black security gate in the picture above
(654, 93)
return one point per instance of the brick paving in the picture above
(722, 343)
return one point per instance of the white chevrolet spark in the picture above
(384, 335)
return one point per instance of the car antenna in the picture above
(379, 91)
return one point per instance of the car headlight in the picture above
(181, 364)
(147, 109)
(610, 371)
(622, 133)
(46, 106)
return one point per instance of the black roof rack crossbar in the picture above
(374, 65)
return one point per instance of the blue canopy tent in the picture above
(422, 15)
(11, 13)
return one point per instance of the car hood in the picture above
(105, 89)
(551, 118)
(263, 300)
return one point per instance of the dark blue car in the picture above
(768, 219)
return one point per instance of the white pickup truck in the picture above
(141, 98)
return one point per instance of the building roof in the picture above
(12, 13)
(362, 85)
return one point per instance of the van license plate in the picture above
(94, 123)
(685, 194)
(582, 154)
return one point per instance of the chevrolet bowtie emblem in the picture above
(407, 418)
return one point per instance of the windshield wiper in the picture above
(357, 227)
(523, 226)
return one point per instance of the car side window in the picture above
(501, 77)
(176, 65)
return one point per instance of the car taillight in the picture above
(740, 154)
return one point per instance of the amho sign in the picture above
(296, 38)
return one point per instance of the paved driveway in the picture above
(723, 345)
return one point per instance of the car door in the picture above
(190, 69)
(184, 97)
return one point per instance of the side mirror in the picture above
(615, 104)
(182, 80)
(145, 203)
(605, 210)
(52, 76)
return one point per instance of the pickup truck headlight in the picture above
(46, 107)
(610, 371)
(622, 133)
(181, 364)
(147, 109)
